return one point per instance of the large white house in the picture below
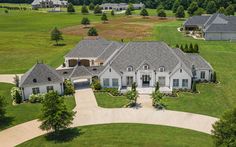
(118, 65)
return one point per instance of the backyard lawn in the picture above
(107, 101)
(23, 112)
(115, 135)
(213, 99)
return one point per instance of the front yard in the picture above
(24, 112)
(105, 100)
(138, 135)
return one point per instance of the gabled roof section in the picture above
(80, 71)
(136, 53)
(40, 74)
(196, 21)
(89, 48)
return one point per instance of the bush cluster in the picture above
(96, 85)
(188, 48)
(16, 95)
(112, 91)
(36, 98)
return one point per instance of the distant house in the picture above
(48, 3)
(120, 6)
(40, 79)
(213, 27)
(120, 64)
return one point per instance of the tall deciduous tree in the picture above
(84, 9)
(175, 6)
(192, 8)
(56, 35)
(55, 114)
(229, 10)
(70, 8)
(199, 11)
(221, 10)
(211, 7)
(180, 12)
(225, 130)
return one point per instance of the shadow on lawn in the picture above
(6, 122)
(64, 135)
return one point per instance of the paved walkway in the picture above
(88, 113)
(8, 78)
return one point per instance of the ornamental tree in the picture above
(70, 8)
(180, 12)
(55, 115)
(84, 9)
(85, 21)
(56, 35)
(104, 17)
(92, 32)
(144, 12)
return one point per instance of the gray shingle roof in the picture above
(196, 20)
(65, 73)
(40, 74)
(55, 2)
(89, 48)
(190, 59)
(82, 71)
(136, 54)
(114, 46)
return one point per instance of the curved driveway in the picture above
(8, 78)
(88, 113)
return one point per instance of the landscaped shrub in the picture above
(157, 87)
(214, 78)
(132, 96)
(157, 100)
(16, 94)
(112, 91)
(196, 48)
(194, 87)
(68, 87)
(36, 98)
(2, 107)
(92, 32)
(96, 84)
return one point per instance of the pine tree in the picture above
(181, 47)
(186, 49)
(191, 48)
(70, 8)
(112, 13)
(85, 21)
(177, 45)
(18, 99)
(2, 107)
(91, 6)
(161, 13)
(128, 12)
(194, 87)
(56, 35)
(84, 9)
(104, 17)
(180, 12)
(92, 32)
(144, 12)
(196, 48)
(214, 77)
(97, 10)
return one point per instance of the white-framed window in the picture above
(35, 90)
(50, 88)
(184, 82)
(106, 82)
(175, 82)
(162, 81)
(115, 83)
(130, 68)
(145, 67)
(202, 74)
(162, 69)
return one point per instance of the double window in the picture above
(185, 83)
(50, 88)
(202, 74)
(106, 82)
(115, 83)
(175, 82)
(35, 90)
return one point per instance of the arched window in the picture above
(129, 68)
(162, 69)
(145, 66)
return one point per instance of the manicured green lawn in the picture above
(25, 38)
(213, 99)
(107, 101)
(24, 112)
(135, 135)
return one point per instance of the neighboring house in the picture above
(213, 27)
(40, 79)
(120, 6)
(142, 62)
(48, 3)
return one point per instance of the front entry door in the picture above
(146, 80)
(129, 81)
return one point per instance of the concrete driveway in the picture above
(89, 113)
(8, 78)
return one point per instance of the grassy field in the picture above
(23, 112)
(213, 99)
(107, 101)
(135, 135)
